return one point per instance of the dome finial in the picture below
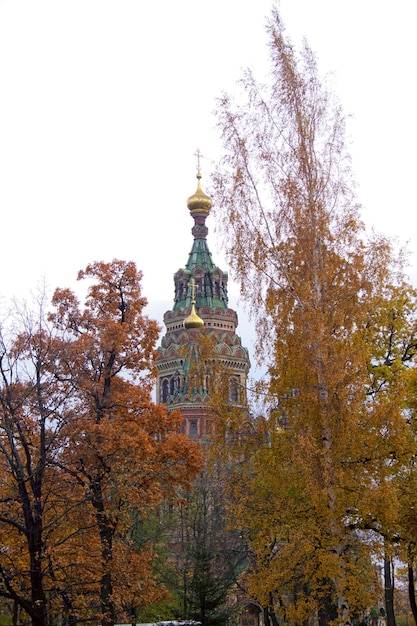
(199, 204)
(193, 320)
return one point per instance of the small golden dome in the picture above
(199, 203)
(193, 320)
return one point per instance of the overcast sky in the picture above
(103, 104)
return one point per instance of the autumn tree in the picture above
(311, 277)
(392, 332)
(402, 327)
(83, 450)
(126, 452)
(35, 407)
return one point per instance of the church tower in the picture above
(200, 310)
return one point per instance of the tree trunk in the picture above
(39, 616)
(389, 591)
(327, 612)
(69, 609)
(38, 611)
(106, 530)
(272, 616)
(16, 614)
(412, 592)
(133, 616)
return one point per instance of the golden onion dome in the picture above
(193, 320)
(199, 203)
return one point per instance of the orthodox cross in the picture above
(199, 156)
(193, 286)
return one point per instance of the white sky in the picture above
(104, 102)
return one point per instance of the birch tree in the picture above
(285, 197)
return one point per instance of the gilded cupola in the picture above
(199, 204)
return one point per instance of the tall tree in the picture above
(126, 451)
(82, 446)
(35, 504)
(311, 276)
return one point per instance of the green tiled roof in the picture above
(200, 256)
(211, 281)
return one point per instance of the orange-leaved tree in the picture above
(125, 451)
(83, 452)
(36, 502)
(312, 277)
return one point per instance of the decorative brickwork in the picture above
(184, 373)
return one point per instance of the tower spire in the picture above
(210, 281)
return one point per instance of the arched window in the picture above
(234, 390)
(165, 390)
(193, 429)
